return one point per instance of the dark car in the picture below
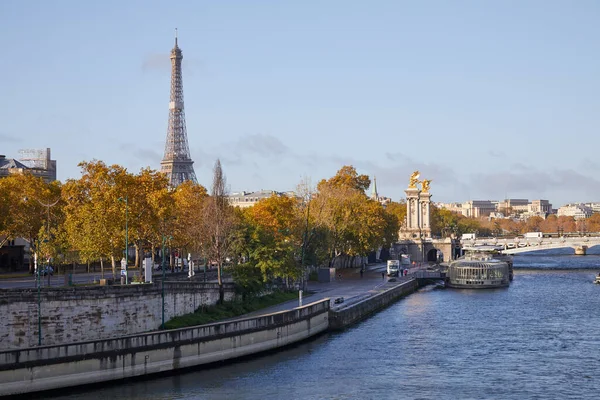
(47, 271)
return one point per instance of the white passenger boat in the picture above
(597, 280)
(480, 268)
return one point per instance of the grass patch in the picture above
(231, 309)
(9, 276)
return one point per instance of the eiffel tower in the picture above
(177, 163)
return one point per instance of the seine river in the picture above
(537, 339)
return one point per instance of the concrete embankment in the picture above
(51, 367)
(72, 364)
(76, 314)
(348, 314)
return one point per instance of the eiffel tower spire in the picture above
(177, 163)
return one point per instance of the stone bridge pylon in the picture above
(415, 234)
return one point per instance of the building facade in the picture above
(37, 162)
(577, 211)
(478, 208)
(540, 207)
(248, 199)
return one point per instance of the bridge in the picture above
(523, 245)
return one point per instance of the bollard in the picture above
(70, 279)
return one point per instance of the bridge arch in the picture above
(432, 255)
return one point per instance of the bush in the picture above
(208, 314)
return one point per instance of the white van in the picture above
(393, 267)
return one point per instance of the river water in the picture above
(537, 339)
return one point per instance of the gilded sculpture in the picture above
(426, 183)
(414, 179)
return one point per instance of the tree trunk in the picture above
(102, 267)
(137, 257)
(114, 266)
(221, 288)
(31, 255)
(153, 254)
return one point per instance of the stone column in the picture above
(412, 214)
(425, 201)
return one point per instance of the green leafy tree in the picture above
(277, 237)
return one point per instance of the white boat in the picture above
(597, 280)
(480, 268)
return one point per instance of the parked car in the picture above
(48, 270)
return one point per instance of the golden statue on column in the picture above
(414, 179)
(426, 183)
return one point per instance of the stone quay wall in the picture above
(90, 313)
(51, 367)
(345, 316)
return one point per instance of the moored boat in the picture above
(480, 268)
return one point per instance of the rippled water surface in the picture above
(537, 339)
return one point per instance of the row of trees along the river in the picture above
(275, 238)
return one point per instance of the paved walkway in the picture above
(352, 287)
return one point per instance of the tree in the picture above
(94, 217)
(189, 199)
(23, 196)
(354, 223)
(566, 224)
(443, 222)
(594, 223)
(148, 197)
(348, 177)
(549, 225)
(534, 224)
(278, 231)
(219, 225)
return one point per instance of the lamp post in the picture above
(39, 299)
(37, 269)
(47, 205)
(126, 200)
(163, 282)
(164, 238)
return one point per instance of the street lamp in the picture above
(126, 200)
(47, 205)
(37, 269)
(39, 300)
(164, 238)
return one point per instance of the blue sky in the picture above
(489, 99)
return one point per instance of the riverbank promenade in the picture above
(352, 287)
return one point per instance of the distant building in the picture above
(452, 207)
(594, 206)
(9, 166)
(248, 199)
(36, 161)
(539, 207)
(510, 206)
(577, 211)
(478, 208)
(496, 215)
